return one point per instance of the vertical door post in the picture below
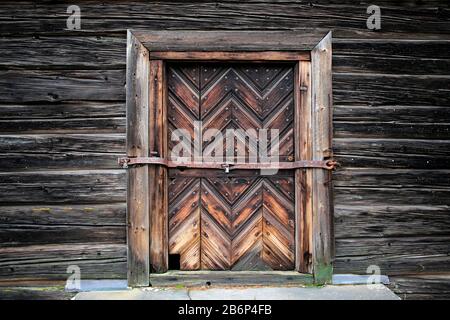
(138, 222)
(322, 131)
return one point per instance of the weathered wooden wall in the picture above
(62, 126)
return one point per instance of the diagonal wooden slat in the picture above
(184, 221)
(240, 222)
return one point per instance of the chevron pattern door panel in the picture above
(239, 220)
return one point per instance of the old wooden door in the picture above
(240, 220)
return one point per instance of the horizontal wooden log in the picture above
(96, 261)
(393, 48)
(360, 129)
(355, 247)
(384, 89)
(383, 127)
(85, 125)
(64, 52)
(398, 255)
(63, 215)
(83, 186)
(61, 151)
(393, 57)
(51, 86)
(392, 153)
(429, 286)
(347, 20)
(350, 56)
(392, 178)
(107, 186)
(35, 293)
(77, 109)
(392, 130)
(359, 89)
(395, 264)
(390, 221)
(67, 151)
(390, 196)
(101, 151)
(19, 235)
(393, 114)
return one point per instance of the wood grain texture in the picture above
(50, 261)
(234, 55)
(392, 153)
(390, 220)
(232, 222)
(229, 40)
(399, 255)
(158, 183)
(398, 74)
(61, 85)
(68, 151)
(227, 278)
(321, 149)
(422, 287)
(138, 200)
(58, 187)
(403, 21)
(303, 178)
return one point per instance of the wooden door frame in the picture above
(147, 198)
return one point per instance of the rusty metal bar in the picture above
(324, 164)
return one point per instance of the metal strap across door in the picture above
(124, 162)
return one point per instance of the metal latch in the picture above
(123, 162)
(227, 167)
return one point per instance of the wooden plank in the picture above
(392, 57)
(322, 131)
(17, 86)
(418, 287)
(397, 49)
(20, 235)
(107, 85)
(138, 206)
(76, 109)
(418, 21)
(64, 215)
(229, 278)
(50, 262)
(394, 129)
(220, 56)
(392, 178)
(95, 52)
(391, 196)
(82, 125)
(100, 151)
(57, 187)
(399, 114)
(394, 255)
(181, 40)
(35, 293)
(55, 151)
(392, 153)
(158, 184)
(385, 89)
(303, 178)
(389, 56)
(391, 220)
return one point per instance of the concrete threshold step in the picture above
(329, 292)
